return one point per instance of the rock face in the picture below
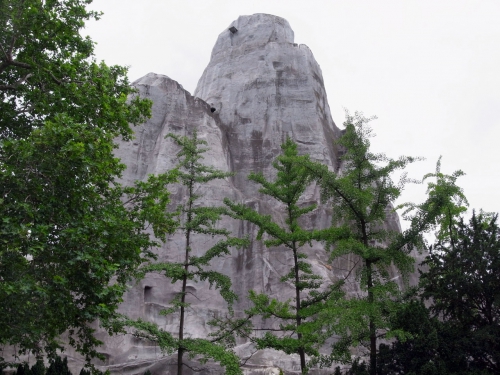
(264, 88)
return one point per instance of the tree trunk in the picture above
(180, 350)
(373, 333)
(298, 319)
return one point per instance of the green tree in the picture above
(458, 333)
(23, 369)
(195, 219)
(58, 366)
(47, 68)
(463, 286)
(418, 353)
(299, 331)
(38, 368)
(362, 194)
(70, 235)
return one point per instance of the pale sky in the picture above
(429, 70)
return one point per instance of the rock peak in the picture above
(265, 88)
(255, 30)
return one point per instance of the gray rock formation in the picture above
(264, 88)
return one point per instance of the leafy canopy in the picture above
(70, 235)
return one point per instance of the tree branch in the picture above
(17, 84)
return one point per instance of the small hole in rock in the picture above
(148, 294)
(212, 109)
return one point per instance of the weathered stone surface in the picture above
(264, 88)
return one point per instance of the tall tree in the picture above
(195, 219)
(463, 287)
(458, 332)
(362, 194)
(70, 235)
(47, 68)
(299, 331)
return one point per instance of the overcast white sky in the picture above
(429, 70)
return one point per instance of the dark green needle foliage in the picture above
(67, 228)
(459, 332)
(58, 366)
(463, 287)
(195, 219)
(299, 331)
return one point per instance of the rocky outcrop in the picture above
(258, 89)
(265, 88)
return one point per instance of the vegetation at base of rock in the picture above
(459, 332)
(463, 288)
(362, 194)
(67, 227)
(300, 331)
(194, 219)
(57, 366)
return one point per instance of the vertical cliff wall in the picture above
(264, 88)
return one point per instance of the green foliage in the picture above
(418, 351)
(459, 333)
(147, 373)
(300, 332)
(38, 368)
(442, 208)
(361, 195)
(47, 68)
(67, 227)
(194, 219)
(58, 366)
(357, 368)
(23, 369)
(464, 287)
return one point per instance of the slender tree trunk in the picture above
(373, 333)
(298, 319)
(180, 350)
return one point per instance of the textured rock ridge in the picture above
(264, 88)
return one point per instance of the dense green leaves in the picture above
(70, 235)
(47, 68)
(66, 232)
(458, 333)
(464, 287)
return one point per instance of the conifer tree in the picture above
(194, 219)
(362, 194)
(299, 331)
(58, 366)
